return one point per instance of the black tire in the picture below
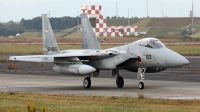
(120, 82)
(141, 85)
(87, 83)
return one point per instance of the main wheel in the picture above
(141, 85)
(87, 83)
(120, 82)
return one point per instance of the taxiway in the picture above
(176, 83)
(100, 86)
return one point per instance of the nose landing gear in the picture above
(141, 76)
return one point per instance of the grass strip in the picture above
(75, 103)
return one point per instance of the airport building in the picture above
(99, 24)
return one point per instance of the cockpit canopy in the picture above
(150, 42)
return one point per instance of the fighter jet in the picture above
(147, 55)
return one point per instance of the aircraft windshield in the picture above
(151, 43)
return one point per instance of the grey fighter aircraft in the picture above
(147, 55)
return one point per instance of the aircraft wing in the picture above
(94, 55)
(31, 58)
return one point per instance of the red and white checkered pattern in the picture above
(94, 11)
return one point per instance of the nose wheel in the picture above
(141, 76)
(141, 85)
(87, 83)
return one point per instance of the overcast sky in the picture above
(17, 9)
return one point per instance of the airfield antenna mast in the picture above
(77, 18)
(147, 8)
(128, 16)
(116, 10)
(192, 19)
(195, 12)
(49, 14)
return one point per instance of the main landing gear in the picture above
(119, 79)
(87, 80)
(141, 76)
(119, 82)
(87, 83)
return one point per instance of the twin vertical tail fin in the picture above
(50, 45)
(89, 40)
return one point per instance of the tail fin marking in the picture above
(50, 45)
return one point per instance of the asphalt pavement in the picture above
(174, 83)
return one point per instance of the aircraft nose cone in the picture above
(174, 59)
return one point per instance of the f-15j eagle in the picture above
(147, 55)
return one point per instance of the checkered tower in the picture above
(99, 24)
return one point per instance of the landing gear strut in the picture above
(141, 76)
(87, 83)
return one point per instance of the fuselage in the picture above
(155, 56)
